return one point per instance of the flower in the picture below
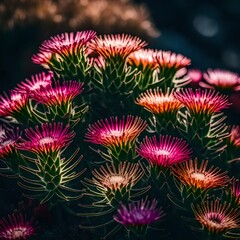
(216, 217)
(115, 132)
(206, 101)
(8, 141)
(13, 104)
(195, 75)
(113, 178)
(116, 45)
(141, 213)
(221, 80)
(165, 151)
(67, 43)
(48, 138)
(38, 81)
(143, 59)
(43, 58)
(235, 190)
(17, 226)
(199, 177)
(171, 60)
(157, 102)
(59, 94)
(234, 138)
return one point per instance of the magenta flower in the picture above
(46, 139)
(8, 141)
(141, 213)
(199, 101)
(234, 137)
(221, 80)
(13, 104)
(16, 227)
(38, 81)
(59, 94)
(43, 58)
(116, 45)
(115, 132)
(235, 190)
(165, 151)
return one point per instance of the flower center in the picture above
(17, 233)
(214, 218)
(116, 179)
(198, 176)
(46, 140)
(113, 133)
(162, 152)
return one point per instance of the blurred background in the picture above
(206, 31)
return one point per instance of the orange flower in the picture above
(199, 177)
(157, 102)
(217, 217)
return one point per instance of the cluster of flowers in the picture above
(165, 150)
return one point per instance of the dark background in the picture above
(206, 31)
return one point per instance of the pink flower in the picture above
(171, 60)
(16, 227)
(115, 132)
(38, 81)
(48, 138)
(13, 104)
(59, 94)
(221, 80)
(67, 43)
(199, 101)
(165, 151)
(8, 142)
(116, 45)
